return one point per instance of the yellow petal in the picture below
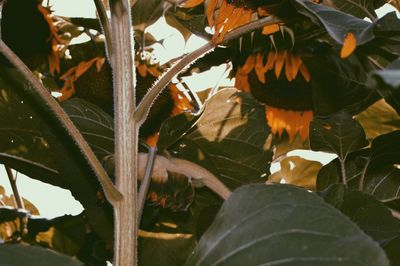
(349, 45)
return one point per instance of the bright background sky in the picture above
(53, 201)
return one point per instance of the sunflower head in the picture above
(281, 80)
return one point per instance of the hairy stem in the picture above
(46, 99)
(105, 25)
(13, 182)
(143, 108)
(126, 134)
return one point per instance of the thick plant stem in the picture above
(126, 135)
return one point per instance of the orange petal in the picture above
(152, 140)
(262, 12)
(260, 68)
(100, 62)
(271, 60)
(142, 69)
(67, 74)
(191, 3)
(83, 67)
(154, 71)
(210, 12)
(349, 45)
(304, 72)
(270, 29)
(231, 23)
(288, 68)
(181, 102)
(296, 63)
(280, 61)
(242, 83)
(224, 12)
(248, 65)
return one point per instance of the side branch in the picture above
(143, 108)
(106, 27)
(163, 165)
(110, 191)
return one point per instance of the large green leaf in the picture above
(370, 215)
(338, 24)
(373, 171)
(339, 134)
(339, 84)
(229, 138)
(20, 123)
(24, 255)
(32, 132)
(358, 8)
(281, 224)
(387, 83)
(161, 249)
(96, 126)
(335, 22)
(379, 118)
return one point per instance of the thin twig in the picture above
(13, 183)
(106, 27)
(142, 110)
(145, 184)
(110, 191)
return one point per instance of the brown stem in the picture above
(105, 25)
(143, 108)
(145, 184)
(13, 183)
(126, 134)
(110, 191)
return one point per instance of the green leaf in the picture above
(373, 171)
(229, 138)
(358, 8)
(369, 214)
(96, 126)
(387, 83)
(165, 249)
(24, 255)
(378, 119)
(31, 131)
(146, 12)
(339, 134)
(297, 171)
(20, 124)
(338, 24)
(339, 84)
(281, 224)
(335, 22)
